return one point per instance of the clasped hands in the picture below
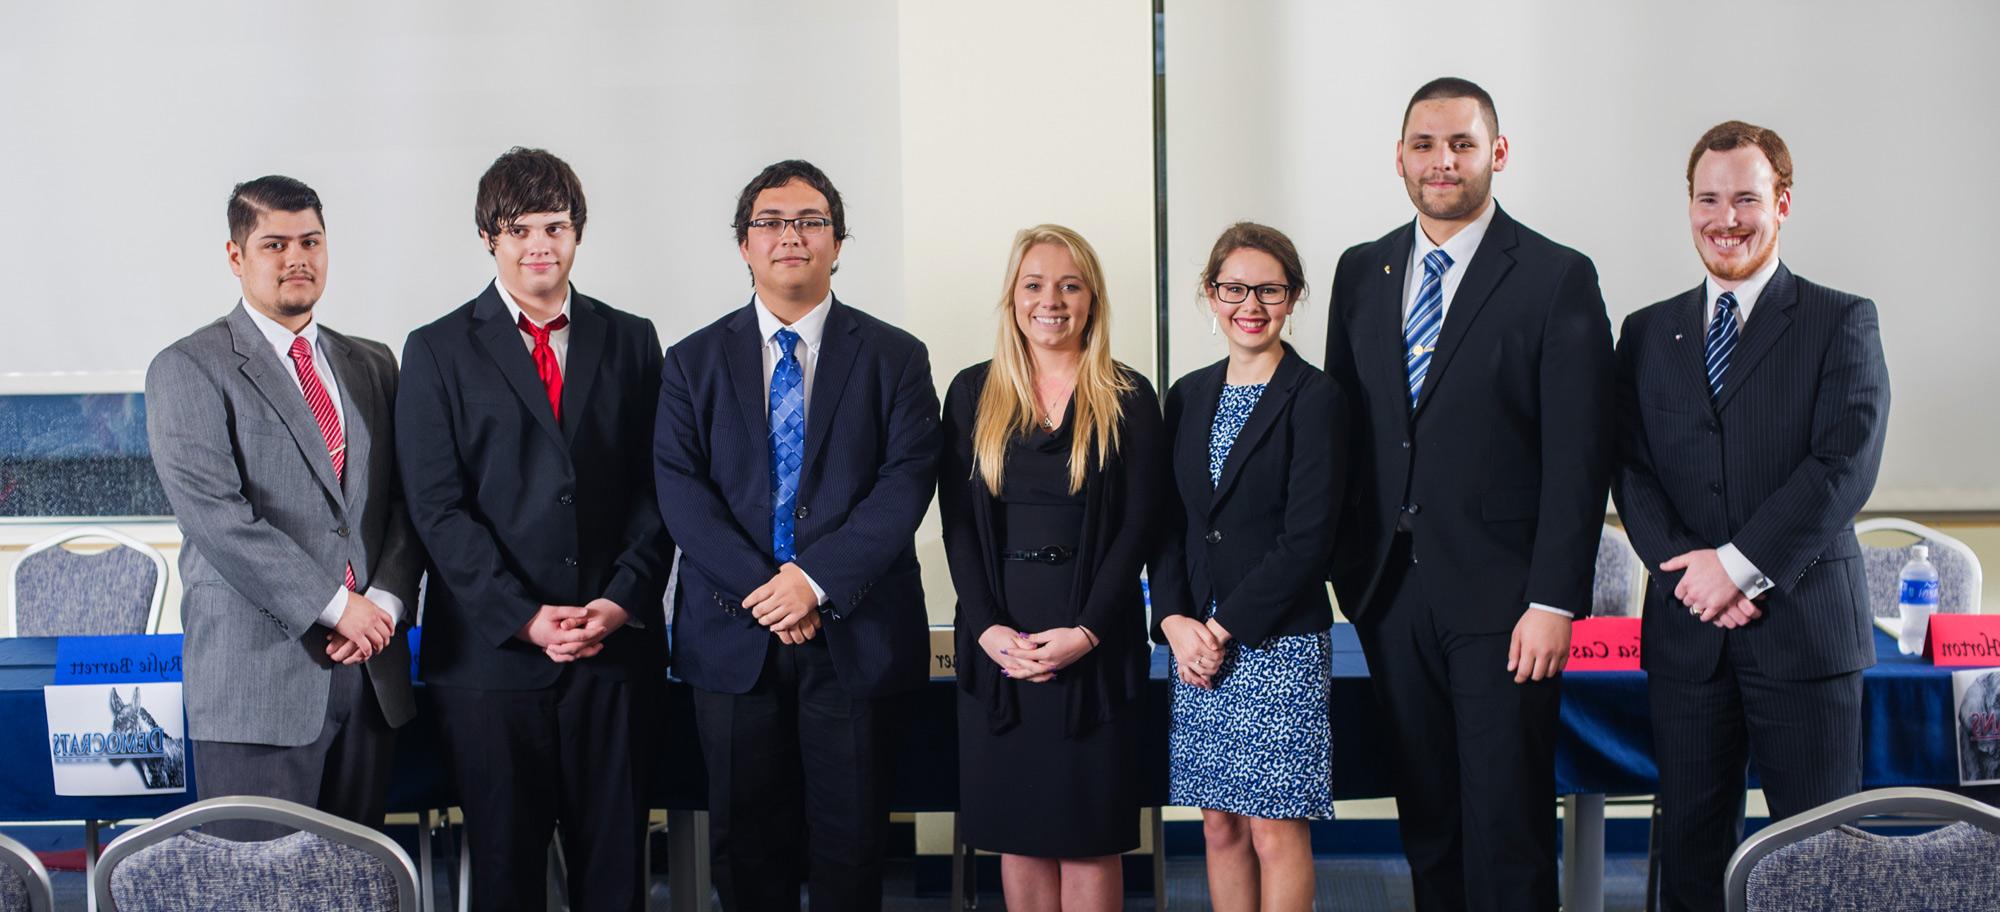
(1708, 592)
(786, 605)
(363, 630)
(1035, 657)
(1198, 646)
(570, 632)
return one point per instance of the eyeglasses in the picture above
(1237, 293)
(805, 225)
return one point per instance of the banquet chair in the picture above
(24, 883)
(1818, 861)
(58, 592)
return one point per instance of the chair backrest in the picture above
(1959, 578)
(1616, 587)
(58, 592)
(24, 883)
(330, 864)
(1815, 860)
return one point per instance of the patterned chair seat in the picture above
(1945, 870)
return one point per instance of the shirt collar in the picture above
(1746, 293)
(514, 310)
(280, 337)
(810, 327)
(1461, 246)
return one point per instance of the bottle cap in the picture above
(1920, 551)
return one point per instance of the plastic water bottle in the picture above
(1918, 599)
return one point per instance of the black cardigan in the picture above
(1121, 506)
(1258, 542)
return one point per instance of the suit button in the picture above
(566, 500)
(1711, 427)
(1714, 487)
(1414, 509)
(342, 531)
(569, 561)
(1406, 444)
(800, 513)
(1214, 536)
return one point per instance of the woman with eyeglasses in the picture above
(1053, 472)
(1258, 461)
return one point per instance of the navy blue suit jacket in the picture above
(1778, 466)
(870, 466)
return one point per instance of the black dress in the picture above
(1033, 788)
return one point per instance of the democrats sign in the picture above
(115, 720)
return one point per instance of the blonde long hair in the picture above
(1008, 406)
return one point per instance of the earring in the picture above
(1290, 325)
(1211, 323)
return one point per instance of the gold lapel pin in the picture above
(1385, 269)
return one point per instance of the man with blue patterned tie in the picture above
(796, 451)
(1478, 355)
(1752, 411)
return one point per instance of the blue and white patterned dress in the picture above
(1260, 743)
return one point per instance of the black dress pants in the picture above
(797, 785)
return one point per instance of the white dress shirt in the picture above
(1748, 579)
(281, 343)
(1460, 247)
(558, 340)
(812, 330)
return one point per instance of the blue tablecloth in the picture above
(1606, 745)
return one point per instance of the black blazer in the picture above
(1779, 467)
(1257, 541)
(1505, 463)
(1122, 500)
(518, 511)
(870, 466)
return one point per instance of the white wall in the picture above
(127, 123)
(1287, 112)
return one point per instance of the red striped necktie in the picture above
(323, 412)
(545, 358)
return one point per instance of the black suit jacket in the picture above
(870, 466)
(1506, 459)
(1778, 466)
(518, 511)
(1257, 541)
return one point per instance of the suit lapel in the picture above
(494, 325)
(1690, 340)
(837, 348)
(1196, 423)
(744, 352)
(1490, 263)
(1262, 417)
(1768, 321)
(586, 349)
(357, 396)
(275, 382)
(1384, 330)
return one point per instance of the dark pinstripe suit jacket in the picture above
(1779, 466)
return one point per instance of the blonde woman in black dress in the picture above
(1054, 468)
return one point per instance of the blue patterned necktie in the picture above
(788, 442)
(1721, 342)
(1420, 332)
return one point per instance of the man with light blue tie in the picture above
(796, 451)
(1752, 412)
(1479, 357)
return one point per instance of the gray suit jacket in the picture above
(268, 529)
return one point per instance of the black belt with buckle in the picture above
(1053, 554)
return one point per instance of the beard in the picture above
(1736, 269)
(1463, 200)
(295, 302)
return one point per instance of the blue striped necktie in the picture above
(788, 442)
(1721, 342)
(1420, 332)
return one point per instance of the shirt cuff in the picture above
(818, 593)
(388, 602)
(329, 617)
(1748, 579)
(1538, 606)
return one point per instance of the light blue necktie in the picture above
(1420, 333)
(788, 442)
(1721, 342)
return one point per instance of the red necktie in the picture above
(323, 412)
(545, 358)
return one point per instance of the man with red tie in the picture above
(528, 422)
(272, 437)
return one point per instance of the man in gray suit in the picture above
(273, 438)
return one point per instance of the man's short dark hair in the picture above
(523, 181)
(1445, 87)
(274, 192)
(1735, 134)
(783, 173)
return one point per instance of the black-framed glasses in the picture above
(1237, 292)
(805, 225)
